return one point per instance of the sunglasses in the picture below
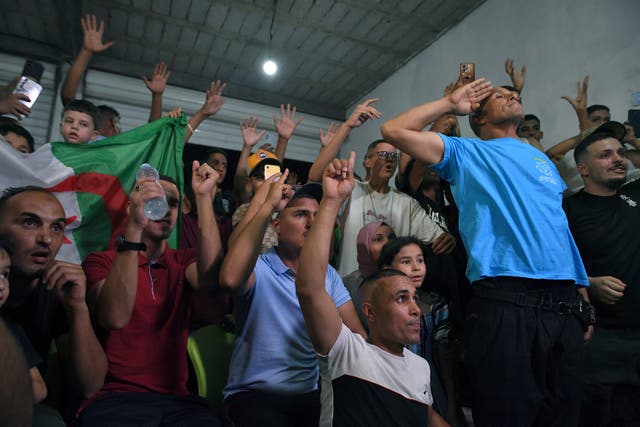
(384, 155)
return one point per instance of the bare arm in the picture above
(405, 130)
(114, 296)
(579, 104)
(38, 385)
(321, 316)
(205, 272)
(157, 85)
(435, 420)
(360, 115)
(212, 104)
(285, 128)
(79, 350)
(92, 43)
(236, 273)
(250, 137)
(517, 78)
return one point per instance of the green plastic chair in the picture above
(210, 349)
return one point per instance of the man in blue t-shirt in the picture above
(273, 373)
(526, 321)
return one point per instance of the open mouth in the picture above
(41, 257)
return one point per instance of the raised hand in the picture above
(362, 113)
(325, 138)
(517, 77)
(174, 114)
(292, 179)
(158, 81)
(279, 192)
(68, 282)
(579, 103)
(448, 89)
(10, 103)
(467, 98)
(204, 179)
(338, 180)
(214, 101)
(250, 136)
(144, 190)
(287, 123)
(93, 34)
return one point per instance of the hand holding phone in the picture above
(467, 72)
(270, 170)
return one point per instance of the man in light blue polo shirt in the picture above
(273, 374)
(526, 324)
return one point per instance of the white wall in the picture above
(560, 41)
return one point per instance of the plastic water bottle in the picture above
(157, 207)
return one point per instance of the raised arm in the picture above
(209, 255)
(114, 296)
(212, 104)
(250, 137)
(320, 313)
(92, 43)
(80, 352)
(517, 77)
(579, 104)
(405, 130)
(156, 85)
(328, 152)
(236, 273)
(285, 128)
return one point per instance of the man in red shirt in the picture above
(140, 294)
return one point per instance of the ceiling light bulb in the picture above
(269, 67)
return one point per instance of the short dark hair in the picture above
(169, 179)
(10, 192)
(581, 149)
(392, 247)
(214, 151)
(531, 117)
(7, 127)
(596, 107)
(369, 284)
(374, 144)
(84, 106)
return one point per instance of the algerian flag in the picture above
(92, 181)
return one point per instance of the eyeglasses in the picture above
(383, 155)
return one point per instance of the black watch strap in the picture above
(124, 245)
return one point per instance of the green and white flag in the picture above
(92, 181)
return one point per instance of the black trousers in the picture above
(261, 409)
(612, 379)
(524, 361)
(148, 410)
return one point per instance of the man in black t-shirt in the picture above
(605, 222)
(48, 296)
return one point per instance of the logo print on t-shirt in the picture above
(629, 200)
(547, 174)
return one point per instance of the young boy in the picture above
(37, 383)
(79, 119)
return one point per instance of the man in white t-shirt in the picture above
(374, 382)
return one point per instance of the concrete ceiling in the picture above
(329, 52)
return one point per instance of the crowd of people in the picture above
(492, 274)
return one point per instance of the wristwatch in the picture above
(124, 245)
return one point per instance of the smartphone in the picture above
(270, 170)
(467, 72)
(29, 83)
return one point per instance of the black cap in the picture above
(311, 190)
(33, 69)
(609, 129)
